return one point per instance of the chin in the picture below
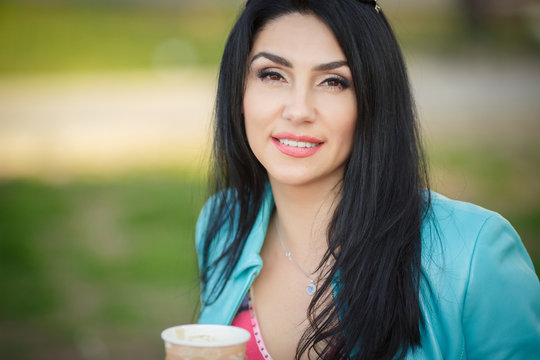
(304, 176)
(291, 178)
(303, 179)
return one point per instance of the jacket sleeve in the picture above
(501, 314)
(200, 232)
(216, 247)
(200, 229)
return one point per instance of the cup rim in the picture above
(243, 335)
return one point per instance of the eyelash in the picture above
(262, 74)
(342, 82)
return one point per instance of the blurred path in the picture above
(56, 126)
(478, 98)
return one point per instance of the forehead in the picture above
(299, 37)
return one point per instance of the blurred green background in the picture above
(104, 111)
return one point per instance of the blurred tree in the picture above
(474, 11)
(483, 17)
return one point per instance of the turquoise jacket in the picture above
(484, 301)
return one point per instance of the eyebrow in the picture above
(282, 61)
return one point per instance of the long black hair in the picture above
(374, 237)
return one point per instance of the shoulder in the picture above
(458, 226)
(459, 216)
(472, 259)
(224, 200)
(214, 230)
(455, 233)
(221, 215)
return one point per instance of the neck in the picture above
(303, 214)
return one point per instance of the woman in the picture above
(319, 176)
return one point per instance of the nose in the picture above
(299, 107)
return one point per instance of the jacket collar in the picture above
(250, 255)
(247, 268)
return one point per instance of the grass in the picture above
(71, 36)
(448, 33)
(114, 258)
(51, 37)
(96, 269)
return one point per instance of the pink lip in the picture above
(296, 151)
(286, 135)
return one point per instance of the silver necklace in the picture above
(311, 288)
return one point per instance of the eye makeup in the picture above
(270, 75)
(338, 81)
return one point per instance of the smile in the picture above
(300, 144)
(296, 146)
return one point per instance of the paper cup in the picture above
(205, 342)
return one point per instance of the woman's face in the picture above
(299, 103)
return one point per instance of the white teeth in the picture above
(300, 144)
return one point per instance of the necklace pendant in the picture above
(311, 288)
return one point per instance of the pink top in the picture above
(245, 318)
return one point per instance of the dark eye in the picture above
(336, 83)
(333, 82)
(269, 75)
